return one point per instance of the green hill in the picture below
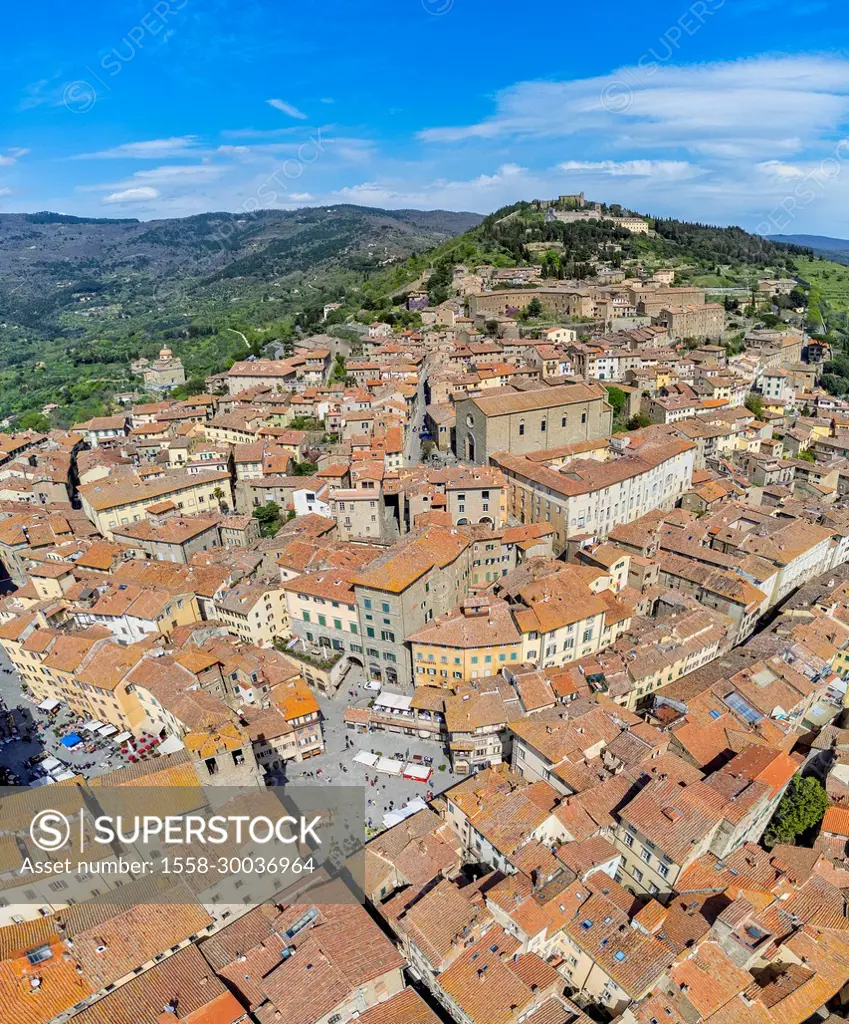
(82, 297)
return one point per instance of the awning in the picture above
(71, 741)
(93, 726)
(417, 772)
(367, 758)
(400, 813)
(170, 745)
(393, 701)
(50, 764)
(389, 765)
(49, 705)
(64, 776)
(106, 730)
(122, 737)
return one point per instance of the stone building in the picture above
(164, 373)
(707, 321)
(531, 420)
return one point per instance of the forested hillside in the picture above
(81, 298)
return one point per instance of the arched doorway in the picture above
(470, 448)
(486, 520)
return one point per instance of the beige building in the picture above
(476, 639)
(164, 373)
(358, 514)
(559, 302)
(255, 612)
(587, 497)
(700, 322)
(650, 300)
(126, 499)
(531, 420)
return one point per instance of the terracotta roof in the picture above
(407, 1007)
(541, 398)
(343, 951)
(185, 976)
(836, 820)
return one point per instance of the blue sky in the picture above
(728, 111)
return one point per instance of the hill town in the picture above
(539, 538)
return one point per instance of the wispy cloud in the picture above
(11, 156)
(260, 133)
(287, 108)
(151, 149)
(743, 107)
(779, 169)
(670, 169)
(180, 175)
(133, 195)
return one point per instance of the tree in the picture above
(534, 308)
(807, 456)
(33, 421)
(268, 517)
(833, 384)
(219, 495)
(802, 806)
(338, 372)
(305, 468)
(617, 398)
(427, 448)
(638, 421)
(755, 405)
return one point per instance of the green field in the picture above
(831, 282)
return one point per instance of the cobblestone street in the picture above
(387, 788)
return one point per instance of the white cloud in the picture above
(260, 133)
(180, 172)
(179, 175)
(780, 170)
(484, 193)
(669, 169)
(744, 107)
(133, 195)
(151, 149)
(11, 156)
(287, 109)
(301, 197)
(5, 191)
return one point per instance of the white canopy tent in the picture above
(417, 772)
(170, 745)
(49, 705)
(393, 701)
(400, 813)
(92, 726)
(367, 758)
(389, 765)
(121, 738)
